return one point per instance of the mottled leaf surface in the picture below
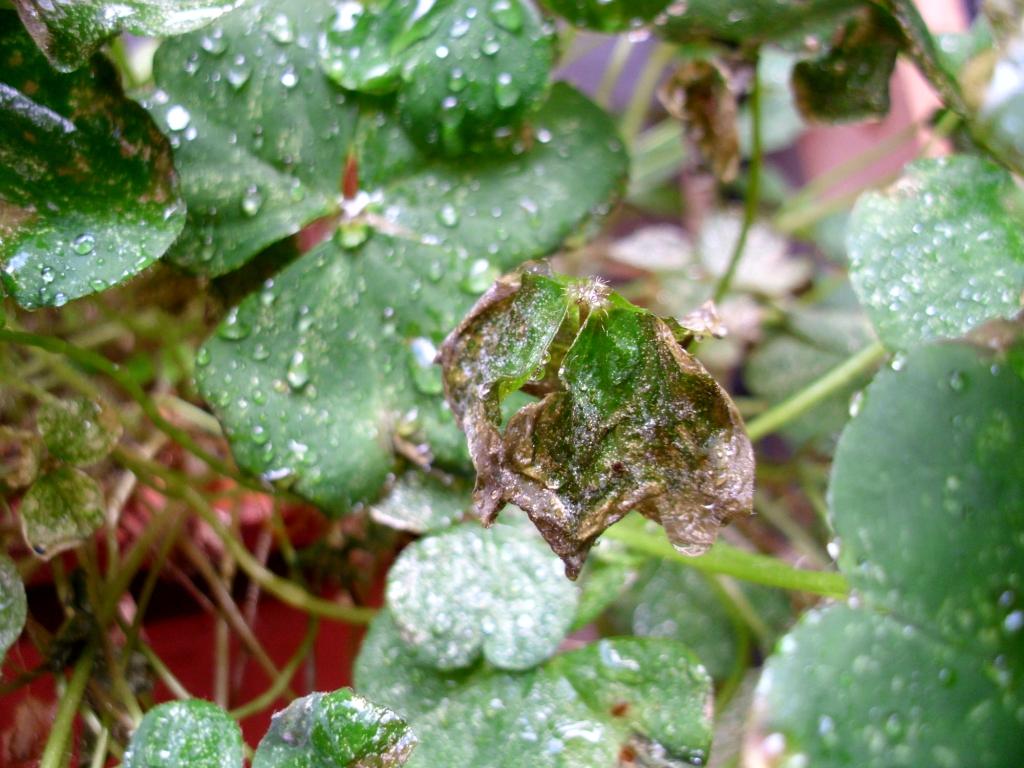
(929, 521)
(466, 73)
(627, 419)
(70, 31)
(13, 605)
(191, 733)
(60, 510)
(79, 430)
(616, 701)
(608, 15)
(421, 502)
(88, 194)
(471, 592)
(940, 251)
(850, 81)
(334, 730)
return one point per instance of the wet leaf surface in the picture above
(334, 730)
(613, 702)
(13, 605)
(60, 510)
(317, 374)
(79, 430)
(627, 419)
(608, 15)
(466, 73)
(423, 502)
(471, 592)
(850, 81)
(70, 32)
(88, 196)
(928, 668)
(191, 733)
(940, 251)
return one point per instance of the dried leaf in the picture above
(699, 94)
(627, 420)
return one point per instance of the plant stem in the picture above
(753, 199)
(172, 484)
(813, 395)
(60, 734)
(613, 71)
(725, 560)
(280, 683)
(646, 84)
(124, 380)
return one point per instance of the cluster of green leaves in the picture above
(321, 730)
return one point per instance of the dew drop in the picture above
(178, 118)
(252, 200)
(84, 244)
(280, 29)
(298, 371)
(507, 14)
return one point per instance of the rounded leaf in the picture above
(471, 591)
(13, 605)
(940, 251)
(79, 430)
(192, 733)
(88, 196)
(60, 510)
(420, 502)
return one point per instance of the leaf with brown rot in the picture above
(626, 418)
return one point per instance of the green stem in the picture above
(172, 484)
(725, 560)
(753, 199)
(124, 380)
(646, 84)
(60, 733)
(280, 683)
(613, 71)
(813, 395)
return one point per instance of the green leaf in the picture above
(88, 196)
(940, 251)
(464, 76)
(613, 702)
(334, 730)
(13, 605)
(674, 601)
(472, 592)
(608, 15)
(850, 81)
(192, 733)
(422, 502)
(745, 22)
(70, 32)
(61, 509)
(602, 582)
(79, 430)
(927, 496)
(628, 419)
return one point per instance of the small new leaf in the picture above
(471, 591)
(60, 510)
(627, 419)
(334, 730)
(80, 431)
(193, 733)
(20, 454)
